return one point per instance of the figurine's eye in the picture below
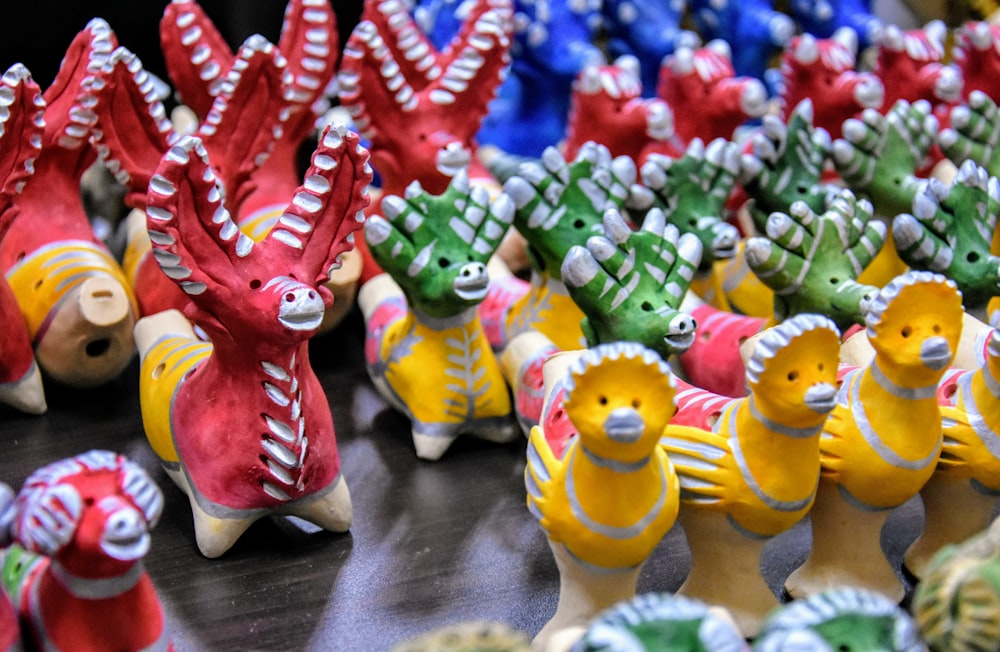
(834, 280)
(603, 400)
(936, 328)
(636, 403)
(793, 376)
(820, 366)
(577, 224)
(255, 284)
(972, 256)
(646, 306)
(906, 332)
(443, 262)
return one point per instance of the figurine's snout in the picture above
(624, 425)
(472, 282)
(680, 333)
(725, 240)
(869, 92)
(126, 536)
(935, 353)
(821, 398)
(301, 308)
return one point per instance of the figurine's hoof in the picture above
(432, 447)
(26, 394)
(89, 340)
(333, 511)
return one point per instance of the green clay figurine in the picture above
(660, 622)
(974, 133)
(845, 619)
(880, 154)
(812, 260)
(630, 284)
(560, 204)
(692, 192)
(950, 232)
(426, 349)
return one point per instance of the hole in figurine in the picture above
(102, 294)
(972, 257)
(158, 370)
(97, 348)
(793, 376)
(603, 400)
(647, 306)
(906, 332)
(578, 224)
(834, 281)
(936, 328)
(21, 255)
(636, 403)
(255, 284)
(706, 335)
(38, 284)
(443, 262)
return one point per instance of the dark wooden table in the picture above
(432, 542)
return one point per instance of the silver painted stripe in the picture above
(986, 434)
(906, 393)
(871, 437)
(780, 428)
(97, 588)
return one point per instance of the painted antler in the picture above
(21, 128)
(73, 295)
(421, 107)
(259, 303)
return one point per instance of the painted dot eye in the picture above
(793, 376)
(821, 366)
(289, 297)
(636, 403)
(906, 332)
(936, 328)
(603, 400)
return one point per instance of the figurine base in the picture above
(846, 550)
(953, 512)
(584, 591)
(725, 569)
(25, 394)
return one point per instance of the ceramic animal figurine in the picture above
(608, 496)
(911, 65)
(971, 133)
(10, 628)
(664, 623)
(692, 190)
(418, 107)
(133, 134)
(975, 54)
(882, 441)
(647, 30)
(425, 347)
(630, 283)
(552, 41)
(811, 262)
(476, 636)
(749, 466)
(960, 498)
(843, 618)
(21, 127)
(956, 601)
(250, 387)
(823, 19)
(824, 71)
(198, 61)
(607, 107)
(708, 99)
(755, 30)
(73, 294)
(951, 231)
(83, 527)
(561, 203)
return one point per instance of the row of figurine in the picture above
(234, 363)
(73, 540)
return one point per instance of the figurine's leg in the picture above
(431, 447)
(953, 512)
(214, 535)
(332, 511)
(150, 329)
(846, 549)
(89, 339)
(584, 591)
(499, 431)
(343, 284)
(522, 362)
(25, 394)
(725, 568)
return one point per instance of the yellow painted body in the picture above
(42, 279)
(886, 265)
(163, 368)
(972, 429)
(447, 376)
(136, 249)
(732, 286)
(548, 308)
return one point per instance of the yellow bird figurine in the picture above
(749, 466)
(882, 442)
(612, 495)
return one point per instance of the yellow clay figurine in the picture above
(749, 466)
(612, 494)
(882, 441)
